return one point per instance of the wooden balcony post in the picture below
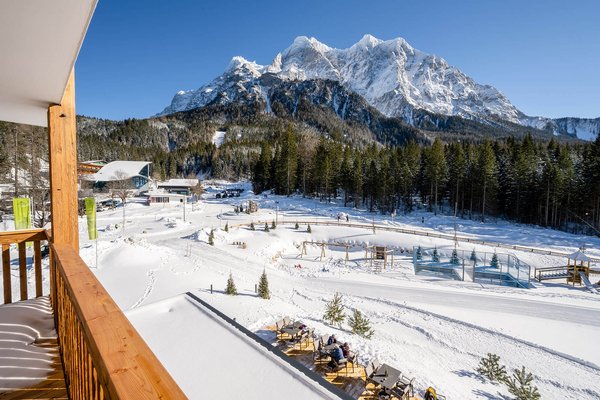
(62, 145)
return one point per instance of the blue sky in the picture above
(544, 55)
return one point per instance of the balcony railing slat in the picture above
(23, 271)
(37, 260)
(6, 280)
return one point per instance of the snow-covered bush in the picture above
(263, 286)
(435, 257)
(211, 237)
(490, 367)
(266, 227)
(473, 257)
(494, 262)
(360, 325)
(454, 260)
(334, 311)
(308, 229)
(520, 385)
(230, 289)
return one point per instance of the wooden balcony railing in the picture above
(103, 356)
(20, 238)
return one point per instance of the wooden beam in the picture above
(62, 145)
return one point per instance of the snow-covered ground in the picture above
(433, 329)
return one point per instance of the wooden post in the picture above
(62, 146)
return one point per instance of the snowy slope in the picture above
(432, 329)
(391, 75)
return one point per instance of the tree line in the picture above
(548, 183)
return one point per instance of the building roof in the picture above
(579, 256)
(184, 183)
(39, 42)
(117, 170)
(209, 358)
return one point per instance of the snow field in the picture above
(435, 330)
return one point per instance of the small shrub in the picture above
(296, 226)
(360, 325)
(266, 227)
(520, 385)
(211, 237)
(226, 227)
(230, 289)
(494, 262)
(263, 286)
(490, 367)
(473, 257)
(308, 229)
(419, 253)
(334, 311)
(454, 260)
(252, 228)
(435, 257)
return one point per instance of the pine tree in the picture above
(454, 260)
(308, 229)
(419, 253)
(360, 325)
(211, 237)
(230, 289)
(296, 226)
(226, 227)
(473, 257)
(263, 286)
(435, 257)
(520, 385)
(490, 367)
(266, 227)
(494, 262)
(273, 226)
(252, 228)
(334, 311)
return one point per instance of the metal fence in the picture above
(483, 267)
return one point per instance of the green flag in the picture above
(22, 214)
(90, 212)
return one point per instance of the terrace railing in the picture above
(103, 356)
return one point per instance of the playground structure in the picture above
(481, 267)
(577, 271)
(378, 257)
(323, 245)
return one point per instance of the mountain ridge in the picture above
(395, 78)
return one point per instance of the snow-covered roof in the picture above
(179, 183)
(579, 256)
(117, 170)
(209, 358)
(39, 42)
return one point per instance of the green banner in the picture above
(22, 213)
(90, 212)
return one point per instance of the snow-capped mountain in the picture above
(392, 76)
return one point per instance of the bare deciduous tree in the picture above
(121, 187)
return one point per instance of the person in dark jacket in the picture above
(331, 340)
(336, 356)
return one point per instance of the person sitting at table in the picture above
(347, 353)
(332, 339)
(336, 356)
